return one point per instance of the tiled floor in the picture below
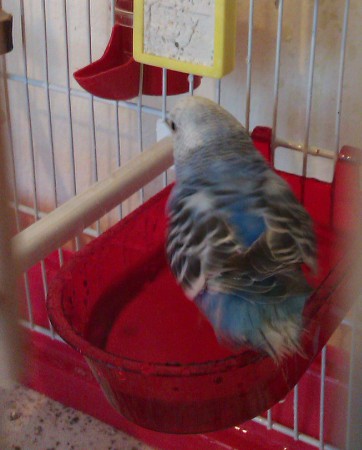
(31, 421)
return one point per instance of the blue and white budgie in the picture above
(237, 236)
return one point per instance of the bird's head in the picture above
(198, 124)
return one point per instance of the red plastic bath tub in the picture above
(154, 355)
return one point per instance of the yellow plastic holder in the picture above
(196, 37)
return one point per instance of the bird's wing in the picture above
(199, 239)
(273, 260)
(255, 244)
(288, 221)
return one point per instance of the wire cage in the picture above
(78, 162)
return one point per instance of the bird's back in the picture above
(237, 235)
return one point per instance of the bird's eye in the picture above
(173, 125)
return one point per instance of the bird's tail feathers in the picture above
(283, 339)
(275, 329)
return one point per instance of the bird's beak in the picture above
(168, 123)
(163, 128)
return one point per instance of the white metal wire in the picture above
(249, 65)
(139, 123)
(296, 413)
(341, 77)
(322, 398)
(191, 84)
(70, 110)
(42, 330)
(164, 111)
(277, 77)
(218, 91)
(116, 114)
(118, 148)
(269, 419)
(79, 93)
(91, 109)
(50, 118)
(32, 163)
(310, 87)
(289, 432)
(28, 112)
(164, 94)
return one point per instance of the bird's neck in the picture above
(197, 160)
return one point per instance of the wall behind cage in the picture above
(61, 132)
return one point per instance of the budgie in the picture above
(237, 236)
